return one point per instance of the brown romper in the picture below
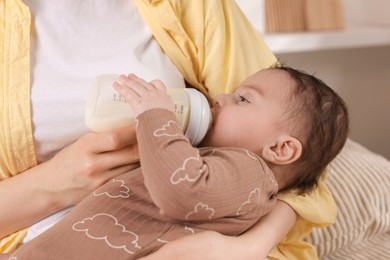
(179, 190)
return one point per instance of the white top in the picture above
(72, 42)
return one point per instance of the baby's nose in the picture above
(221, 100)
(216, 102)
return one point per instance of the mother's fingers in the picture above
(109, 141)
(118, 162)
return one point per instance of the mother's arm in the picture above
(254, 244)
(66, 179)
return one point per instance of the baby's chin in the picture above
(207, 140)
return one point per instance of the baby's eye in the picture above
(243, 99)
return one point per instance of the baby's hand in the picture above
(142, 95)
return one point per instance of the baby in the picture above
(276, 132)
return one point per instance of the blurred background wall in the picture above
(355, 62)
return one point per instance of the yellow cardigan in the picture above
(215, 48)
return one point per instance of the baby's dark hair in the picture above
(321, 116)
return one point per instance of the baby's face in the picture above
(249, 117)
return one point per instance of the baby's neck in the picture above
(282, 175)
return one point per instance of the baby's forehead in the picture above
(277, 79)
(277, 72)
(273, 80)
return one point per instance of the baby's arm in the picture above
(182, 179)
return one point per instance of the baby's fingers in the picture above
(128, 93)
(139, 82)
(159, 85)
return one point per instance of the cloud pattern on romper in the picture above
(189, 229)
(186, 230)
(118, 189)
(171, 128)
(189, 171)
(253, 197)
(103, 226)
(200, 211)
(251, 155)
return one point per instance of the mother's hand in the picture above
(254, 244)
(66, 179)
(92, 160)
(206, 245)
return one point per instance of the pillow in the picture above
(360, 183)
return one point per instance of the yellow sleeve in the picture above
(9, 243)
(16, 139)
(211, 42)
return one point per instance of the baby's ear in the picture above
(285, 150)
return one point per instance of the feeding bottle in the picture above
(106, 109)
